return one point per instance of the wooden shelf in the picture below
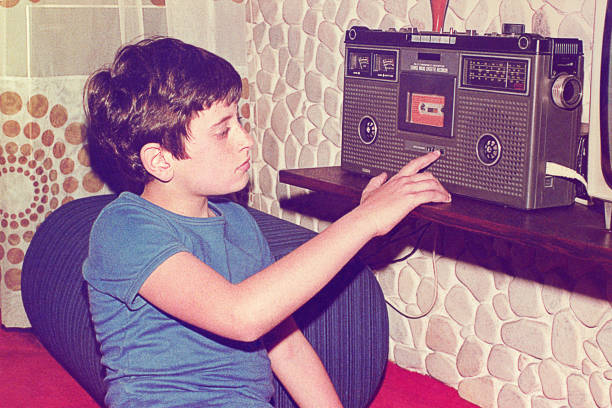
(576, 230)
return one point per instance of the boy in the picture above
(187, 305)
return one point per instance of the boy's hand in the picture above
(387, 202)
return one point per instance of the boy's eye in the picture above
(223, 133)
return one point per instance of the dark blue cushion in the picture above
(346, 322)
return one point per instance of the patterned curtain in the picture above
(47, 50)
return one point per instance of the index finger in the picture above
(418, 164)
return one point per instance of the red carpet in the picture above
(31, 378)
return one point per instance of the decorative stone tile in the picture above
(267, 179)
(527, 336)
(471, 357)
(528, 380)
(462, 8)
(409, 358)
(294, 75)
(370, 12)
(346, 11)
(311, 22)
(283, 60)
(270, 11)
(588, 300)
(441, 335)
(292, 148)
(315, 136)
(280, 120)
(426, 295)
(511, 11)
(594, 354)
(325, 153)
(545, 21)
(588, 12)
(587, 367)
(259, 34)
(332, 102)
(565, 339)
(295, 41)
(298, 129)
(330, 8)
(502, 307)
(295, 103)
(524, 297)
(510, 397)
(486, 324)
(565, 6)
(419, 16)
(314, 113)
(330, 35)
(552, 380)
(265, 82)
(332, 132)
(407, 283)
(476, 279)
(280, 90)
(480, 391)
(460, 305)
(599, 387)
(418, 328)
(578, 395)
(574, 26)
(269, 60)
(398, 8)
(604, 340)
(441, 367)
(278, 36)
(325, 62)
(309, 54)
(399, 330)
(293, 11)
(313, 86)
(540, 401)
(387, 278)
(481, 16)
(555, 295)
(308, 156)
(270, 149)
(501, 363)
(263, 107)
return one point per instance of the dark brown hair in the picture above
(149, 94)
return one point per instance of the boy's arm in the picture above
(298, 367)
(190, 290)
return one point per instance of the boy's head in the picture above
(150, 94)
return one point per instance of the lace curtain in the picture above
(47, 50)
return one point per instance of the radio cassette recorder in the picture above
(497, 106)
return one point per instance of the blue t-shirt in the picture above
(151, 358)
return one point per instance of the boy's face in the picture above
(219, 153)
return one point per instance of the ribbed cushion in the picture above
(346, 323)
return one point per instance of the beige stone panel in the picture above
(270, 149)
(263, 108)
(332, 102)
(307, 157)
(578, 395)
(295, 103)
(269, 59)
(311, 22)
(555, 293)
(419, 16)
(313, 86)
(270, 11)
(293, 11)
(409, 358)
(332, 132)
(259, 36)
(516, 12)
(346, 12)
(310, 47)
(471, 357)
(398, 8)
(277, 35)
(540, 401)
(565, 339)
(418, 328)
(604, 341)
(528, 380)
(566, 6)
(265, 82)
(552, 380)
(598, 386)
(441, 335)
(370, 12)
(294, 74)
(460, 305)
(407, 283)
(325, 153)
(326, 62)
(280, 91)
(501, 363)
(314, 113)
(399, 330)
(546, 21)
(442, 367)
(524, 296)
(283, 59)
(486, 324)
(587, 366)
(510, 397)
(462, 8)
(527, 336)
(279, 120)
(480, 391)
(481, 15)
(502, 307)
(390, 22)
(478, 280)
(315, 136)
(588, 300)
(594, 354)
(426, 295)
(446, 271)
(299, 128)
(295, 41)
(330, 35)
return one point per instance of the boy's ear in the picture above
(157, 161)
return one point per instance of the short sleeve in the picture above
(126, 245)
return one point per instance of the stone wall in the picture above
(507, 326)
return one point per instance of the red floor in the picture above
(31, 378)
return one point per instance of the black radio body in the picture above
(498, 107)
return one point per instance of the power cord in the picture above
(435, 276)
(558, 170)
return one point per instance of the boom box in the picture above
(499, 107)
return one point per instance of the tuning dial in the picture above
(567, 91)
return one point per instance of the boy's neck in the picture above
(162, 195)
